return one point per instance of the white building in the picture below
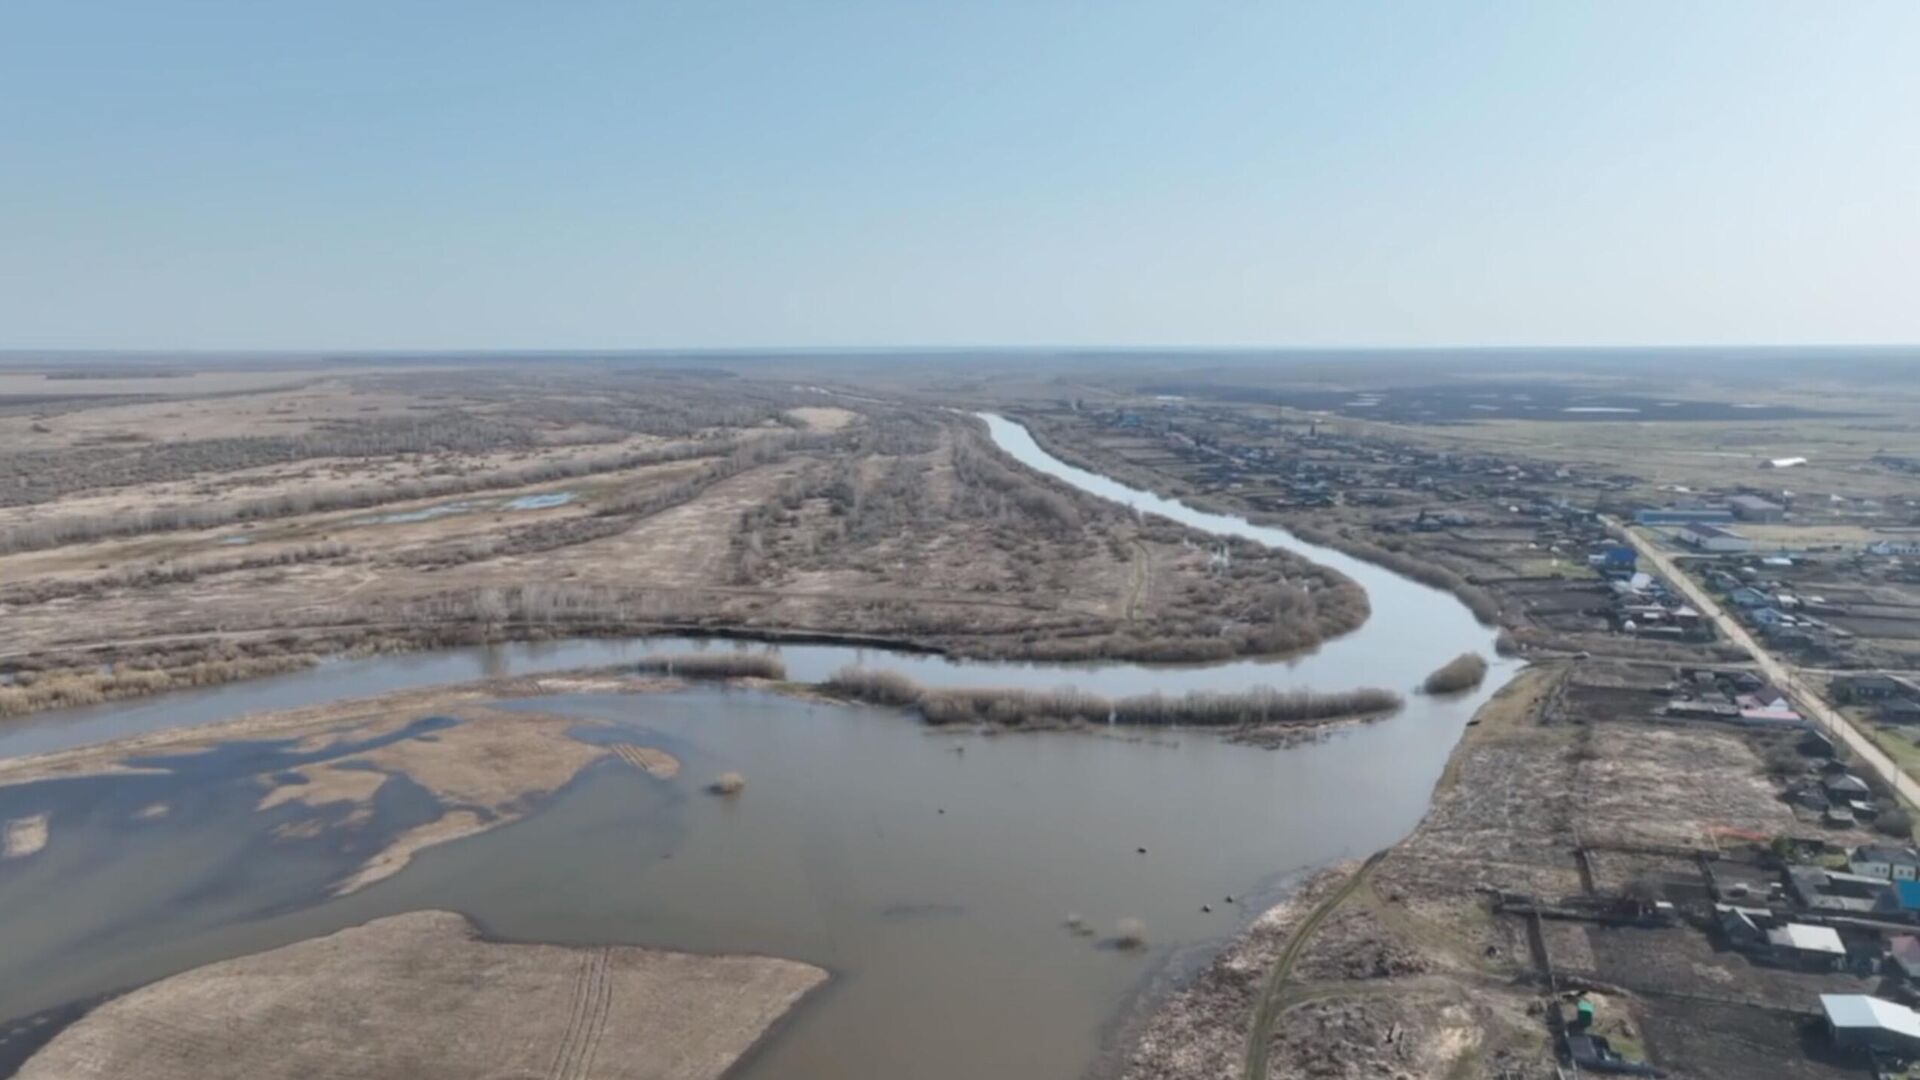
(1861, 1021)
(1817, 946)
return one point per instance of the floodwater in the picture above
(931, 872)
(544, 501)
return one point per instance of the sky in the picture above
(432, 174)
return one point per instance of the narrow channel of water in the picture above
(930, 872)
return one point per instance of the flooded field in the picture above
(932, 873)
(544, 501)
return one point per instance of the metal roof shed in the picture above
(1807, 939)
(1859, 1020)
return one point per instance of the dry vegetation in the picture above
(1255, 707)
(184, 541)
(421, 995)
(715, 666)
(1463, 672)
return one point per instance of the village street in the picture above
(1782, 674)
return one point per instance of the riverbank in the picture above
(952, 859)
(1507, 536)
(910, 529)
(1387, 973)
(1366, 788)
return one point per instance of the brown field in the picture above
(423, 995)
(182, 540)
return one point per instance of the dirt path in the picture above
(1780, 672)
(1269, 1008)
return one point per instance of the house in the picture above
(1900, 711)
(1764, 696)
(1683, 515)
(1787, 636)
(1903, 956)
(1783, 463)
(1868, 687)
(1770, 717)
(1616, 561)
(1885, 861)
(1746, 596)
(1894, 547)
(1845, 787)
(1810, 947)
(1816, 743)
(1832, 892)
(1863, 1022)
(1901, 901)
(1743, 927)
(1808, 794)
(1713, 538)
(1755, 508)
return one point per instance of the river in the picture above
(932, 883)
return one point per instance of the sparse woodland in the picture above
(691, 504)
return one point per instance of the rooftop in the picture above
(1887, 853)
(1815, 939)
(1858, 1011)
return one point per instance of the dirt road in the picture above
(1781, 673)
(1260, 1027)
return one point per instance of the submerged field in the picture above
(931, 874)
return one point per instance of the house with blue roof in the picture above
(1902, 900)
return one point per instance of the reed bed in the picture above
(715, 666)
(1010, 706)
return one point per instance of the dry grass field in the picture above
(422, 995)
(188, 537)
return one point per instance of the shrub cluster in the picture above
(1008, 706)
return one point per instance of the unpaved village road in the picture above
(1783, 675)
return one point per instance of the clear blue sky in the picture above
(397, 174)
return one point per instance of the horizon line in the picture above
(27, 352)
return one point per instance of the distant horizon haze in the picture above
(360, 176)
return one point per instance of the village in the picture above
(1701, 933)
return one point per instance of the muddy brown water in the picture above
(930, 872)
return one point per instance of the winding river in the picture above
(932, 883)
